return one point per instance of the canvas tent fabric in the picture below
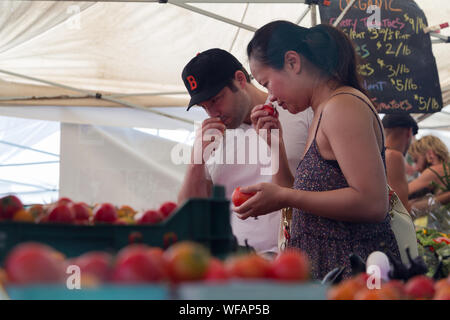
(135, 48)
(131, 47)
(133, 52)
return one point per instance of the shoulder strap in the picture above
(318, 123)
(370, 107)
(437, 174)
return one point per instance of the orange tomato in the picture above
(250, 266)
(23, 216)
(187, 261)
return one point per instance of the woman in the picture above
(339, 194)
(430, 155)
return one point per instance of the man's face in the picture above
(231, 107)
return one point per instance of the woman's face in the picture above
(420, 162)
(282, 85)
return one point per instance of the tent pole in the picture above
(120, 95)
(27, 164)
(65, 96)
(28, 148)
(313, 15)
(189, 1)
(98, 96)
(239, 29)
(441, 38)
(214, 16)
(26, 184)
(303, 14)
(436, 127)
(343, 13)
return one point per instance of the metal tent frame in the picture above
(312, 8)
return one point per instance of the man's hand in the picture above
(210, 131)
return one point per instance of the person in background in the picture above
(340, 195)
(430, 155)
(219, 83)
(400, 130)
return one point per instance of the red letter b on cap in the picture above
(192, 82)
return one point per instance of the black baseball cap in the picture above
(208, 73)
(400, 121)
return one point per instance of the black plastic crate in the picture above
(206, 221)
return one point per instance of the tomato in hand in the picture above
(270, 110)
(239, 197)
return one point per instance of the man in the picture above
(219, 83)
(399, 130)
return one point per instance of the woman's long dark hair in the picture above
(326, 47)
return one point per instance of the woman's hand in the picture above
(263, 118)
(268, 198)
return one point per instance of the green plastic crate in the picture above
(206, 221)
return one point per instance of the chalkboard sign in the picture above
(396, 61)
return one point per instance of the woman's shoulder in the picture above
(348, 103)
(351, 95)
(436, 169)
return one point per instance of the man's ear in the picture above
(293, 61)
(239, 76)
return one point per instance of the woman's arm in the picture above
(421, 204)
(348, 128)
(282, 175)
(396, 175)
(421, 182)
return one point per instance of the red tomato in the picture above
(270, 110)
(291, 265)
(167, 208)
(157, 255)
(37, 211)
(238, 197)
(442, 240)
(441, 284)
(216, 271)
(420, 287)
(150, 217)
(393, 290)
(187, 261)
(95, 263)
(105, 213)
(442, 294)
(82, 211)
(251, 266)
(30, 263)
(367, 294)
(8, 206)
(64, 201)
(135, 265)
(347, 289)
(61, 213)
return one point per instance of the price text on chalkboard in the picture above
(396, 60)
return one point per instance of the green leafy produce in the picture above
(433, 251)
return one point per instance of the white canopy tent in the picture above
(132, 53)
